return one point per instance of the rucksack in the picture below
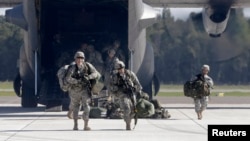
(61, 73)
(196, 88)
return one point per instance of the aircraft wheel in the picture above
(29, 99)
(17, 85)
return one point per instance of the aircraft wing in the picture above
(194, 3)
(9, 3)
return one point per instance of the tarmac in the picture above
(35, 124)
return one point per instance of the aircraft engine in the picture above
(214, 22)
(215, 17)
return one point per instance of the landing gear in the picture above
(17, 85)
(29, 99)
(26, 93)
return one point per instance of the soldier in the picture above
(144, 107)
(95, 58)
(123, 85)
(57, 42)
(63, 59)
(201, 101)
(116, 46)
(79, 76)
(151, 108)
(84, 48)
(119, 52)
(109, 66)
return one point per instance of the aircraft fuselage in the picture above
(97, 23)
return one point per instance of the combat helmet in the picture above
(79, 54)
(119, 65)
(205, 66)
(145, 95)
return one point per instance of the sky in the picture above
(2, 11)
(178, 13)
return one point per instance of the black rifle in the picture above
(130, 90)
(86, 82)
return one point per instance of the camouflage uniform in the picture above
(95, 58)
(84, 48)
(201, 102)
(145, 108)
(78, 91)
(63, 59)
(119, 52)
(150, 108)
(109, 66)
(119, 90)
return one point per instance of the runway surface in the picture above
(35, 124)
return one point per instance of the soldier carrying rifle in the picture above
(125, 85)
(79, 76)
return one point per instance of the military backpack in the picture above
(196, 88)
(161, 113)
(61, 73)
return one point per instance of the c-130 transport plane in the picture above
(95, 20)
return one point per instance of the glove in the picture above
(133, 89)
(86, 78)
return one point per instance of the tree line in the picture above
(181, 48)
(10, 42)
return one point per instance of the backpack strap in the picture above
(75, 71)
(87, 68)
(67, 70)
(128, 73)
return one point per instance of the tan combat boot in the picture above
(198, 115)
(201, 114)
(86, 127)
(75, 124)
(128, 126)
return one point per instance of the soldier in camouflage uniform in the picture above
(151, 108)
(108, 67)
(95, 58)
(79, 92)
(84, 48)
(201, 101)
(120, 90)
(144, 107)
(119, 52)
